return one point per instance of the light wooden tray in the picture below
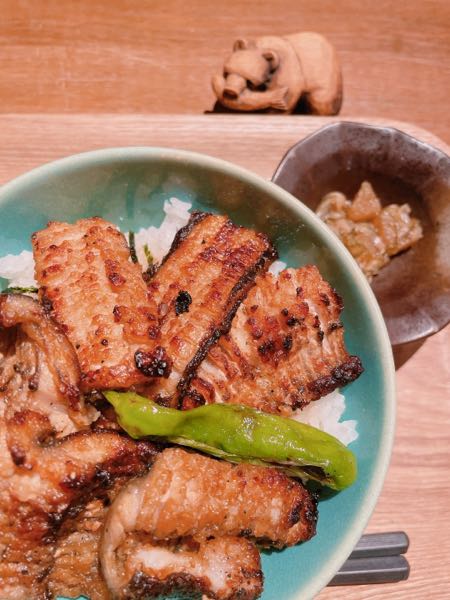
(416, 495)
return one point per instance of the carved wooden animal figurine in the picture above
(274, 73)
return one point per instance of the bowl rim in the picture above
(388, 131)
(133, 153)
(382, 129)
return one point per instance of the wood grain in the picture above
(416, 494)
(254, 143)
(132, 56)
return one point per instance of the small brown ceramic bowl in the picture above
(413, 290)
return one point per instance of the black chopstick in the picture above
(377, 558)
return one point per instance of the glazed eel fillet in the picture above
(50, 460)
(198, 288)
(191, 524)
(285, 347)
(75, 570)
(99, 298)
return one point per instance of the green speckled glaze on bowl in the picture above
(128, 186)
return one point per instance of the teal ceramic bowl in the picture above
(128, 186)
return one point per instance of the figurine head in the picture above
(248, 67)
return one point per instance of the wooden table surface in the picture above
(416, 494)
(155, 56)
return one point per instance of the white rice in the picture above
(18, 269)
(325, 414)
(159, 239)
(277, 266)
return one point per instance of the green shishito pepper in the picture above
(241, 434)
